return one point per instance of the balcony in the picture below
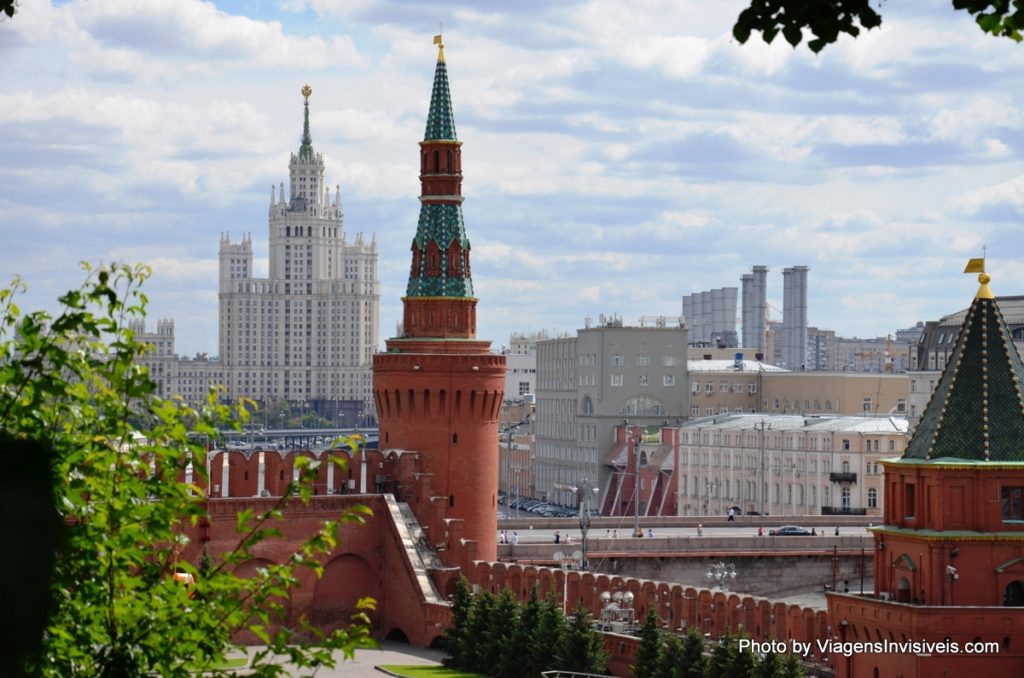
(843, 477)
(843, 511)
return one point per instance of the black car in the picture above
(790, 531)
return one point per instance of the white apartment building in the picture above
(521, 362)
(786, 464)
(308, 331)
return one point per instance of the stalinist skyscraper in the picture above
(307, 332)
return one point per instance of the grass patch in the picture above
(419, 671)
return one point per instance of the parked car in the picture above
(790, 531)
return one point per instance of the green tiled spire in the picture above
(440, 121)
(977, 409)
(441, 225)
(306, 149)
(441, 249)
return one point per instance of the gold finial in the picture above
(306, 91)
(440, 48)
(978, 266)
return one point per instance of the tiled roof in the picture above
(977, 409)
(440, 121)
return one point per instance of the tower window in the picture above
(1013, 503)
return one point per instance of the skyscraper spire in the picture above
(306, 150)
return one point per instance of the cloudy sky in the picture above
(616, 155)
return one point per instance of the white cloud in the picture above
(1008, 193)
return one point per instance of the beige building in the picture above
(728, 386)
(786, 464)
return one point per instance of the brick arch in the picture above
(347, 578)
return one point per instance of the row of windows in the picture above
(667, 380)
(723, 387)
(642, 360)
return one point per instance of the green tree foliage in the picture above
(671, 663)
(646, 662)
(769, 667)
(547, 642)
(694, 662)
(517, 648)
(723, 658)
(73, 381)
(504, 618)
(480, 619)
(744, 663)
(790, 668)
(827, 19)
(584, 646)
(455, 642)
(8, 8)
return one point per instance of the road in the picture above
(538, 534)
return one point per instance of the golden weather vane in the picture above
(306, 91)
(978, 266)
(440, 44)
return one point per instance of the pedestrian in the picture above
(814, 532)
(502, 538)
(515, 537)
(568, 538)
(760, 531)
(837, 530)
(615, 534)
(607, 533)
(732, 516)
(650, 533)
(700, 530)
(558, 537)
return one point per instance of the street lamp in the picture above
(584, 490)
(708, 486)
(635, 438)
(721, 574)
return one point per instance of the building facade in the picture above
(307, 332)
(786, 465)
(588, 384)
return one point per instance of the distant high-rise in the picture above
(711, 317)
(755, 304)
(794, 317)
(308, 331)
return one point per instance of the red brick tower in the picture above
(949, 560)
(438, 389)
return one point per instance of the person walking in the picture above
(558, 537)
(732, 515)
(515, 538)
(700, 530)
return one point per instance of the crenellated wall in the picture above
(679, 607)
